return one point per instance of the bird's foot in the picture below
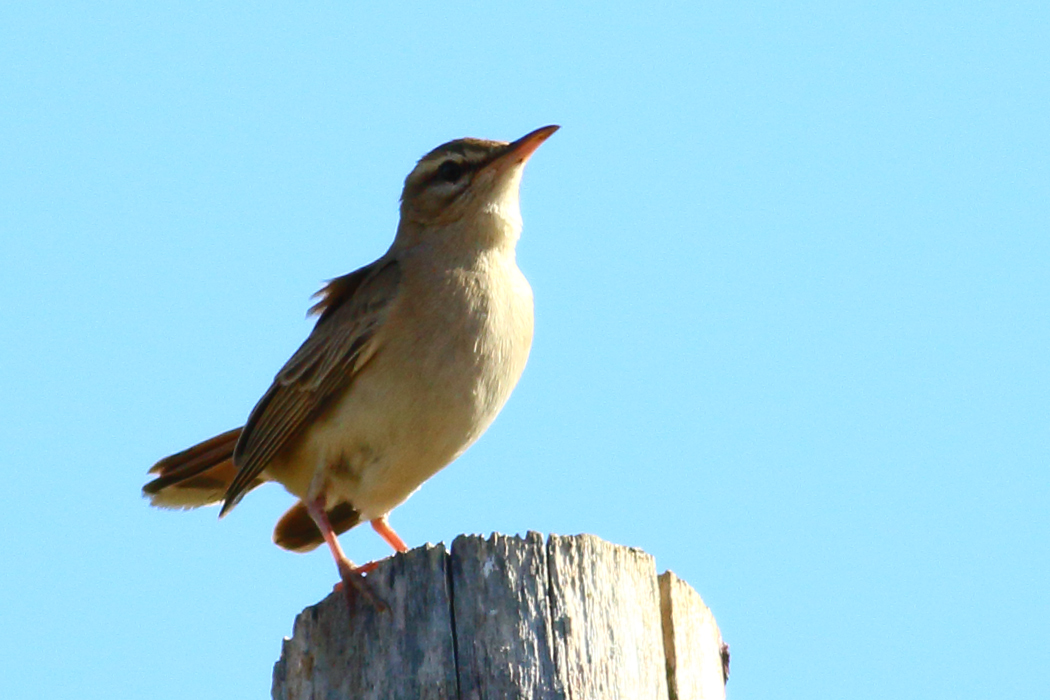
(353, 583)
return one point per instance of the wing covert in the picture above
(354, 307)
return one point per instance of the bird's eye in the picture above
(449, 171)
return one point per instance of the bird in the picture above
(410, 360)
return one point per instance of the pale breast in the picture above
(450, 355)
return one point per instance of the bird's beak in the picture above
(519, 151)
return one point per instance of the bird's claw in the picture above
(353, 583)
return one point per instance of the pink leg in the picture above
(350, 575)
(381, 526)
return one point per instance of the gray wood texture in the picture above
(508, 618)
(503, 623)
(605, 607)
(405, 652)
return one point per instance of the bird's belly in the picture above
(416, 406)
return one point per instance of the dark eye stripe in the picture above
(449, 171)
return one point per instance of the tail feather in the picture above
(297, 532)
(197, 476)
(222, 443)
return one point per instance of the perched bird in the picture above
(410, 361)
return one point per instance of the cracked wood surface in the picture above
(506, 617)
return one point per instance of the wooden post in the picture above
(572, 618)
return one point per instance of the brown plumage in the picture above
(201, 476)
(410, 360)
(205, 474)
(197, 476)
(318, 372)
(296, 531)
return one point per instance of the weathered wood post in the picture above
(573, 618)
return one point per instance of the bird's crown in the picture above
(450, 167)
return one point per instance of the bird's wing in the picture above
(351, 310)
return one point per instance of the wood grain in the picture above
(605, 607)
(405, 652)
(502, 617)
(692, 643)
(509, 618)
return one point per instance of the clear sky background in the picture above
(792, 299)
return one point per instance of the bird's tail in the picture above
(296, 531)
(197, 476)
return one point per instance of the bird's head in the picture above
(471, 182)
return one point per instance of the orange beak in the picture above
(519, 151)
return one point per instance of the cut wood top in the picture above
(509, 617)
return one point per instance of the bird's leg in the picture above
(352, 580)
(381, 526)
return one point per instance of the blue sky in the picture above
(793, 318)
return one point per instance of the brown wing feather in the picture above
(336, 291)
(319, 371)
